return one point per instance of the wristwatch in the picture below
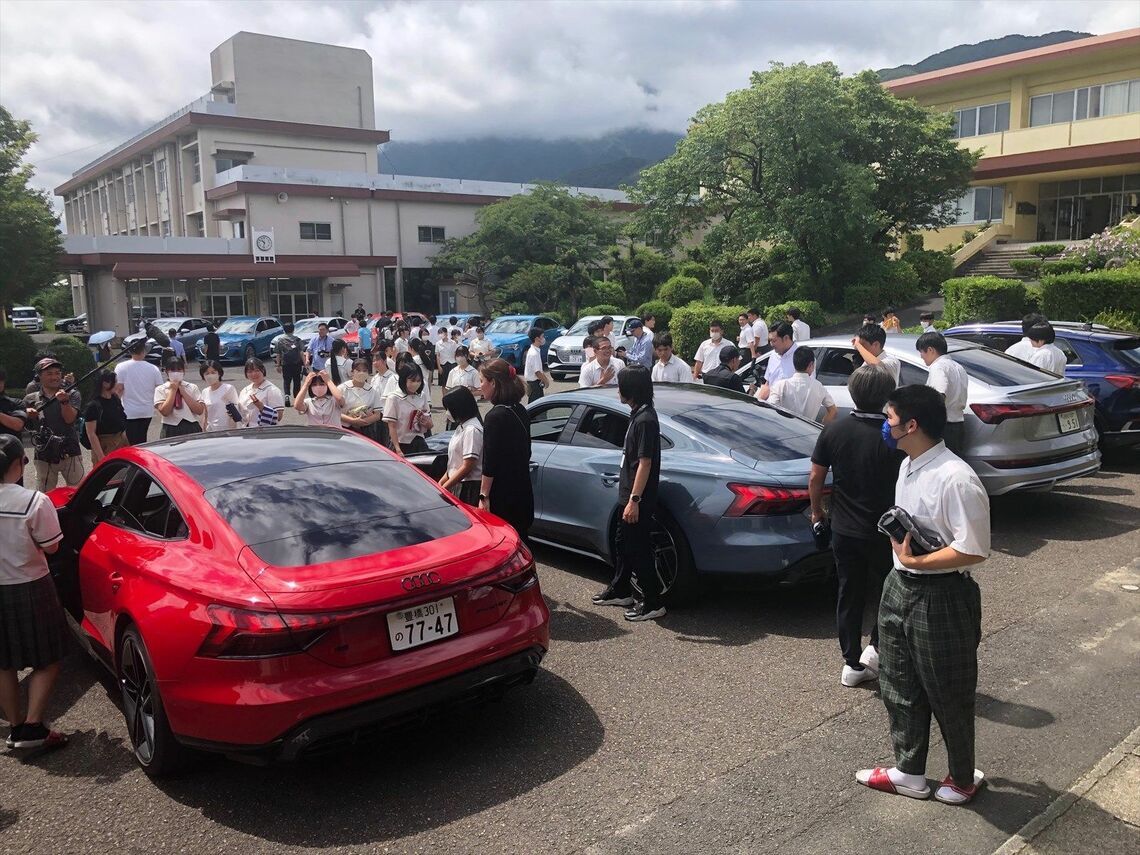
(482, 497)
(635, 499)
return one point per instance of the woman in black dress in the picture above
(505, 489)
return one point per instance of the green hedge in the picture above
(607, 293)
(1082, 296)
(690, 326)
(694, 269)
(1026, 266)
(681, 290)
(661, 310)
(1044, 250)
(1062, 265)
(771, 290)
(1119, 320)
(17, 358)
(982, 298)
(811, 311)
(887, 283)
(603, 309)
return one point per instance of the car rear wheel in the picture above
(674, 562)
(152, 742)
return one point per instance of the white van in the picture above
(27, 318)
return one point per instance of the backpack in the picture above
(291, 353)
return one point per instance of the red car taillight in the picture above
(244, 634)
(518, 573)
(995, 414)
(758, 500)
(1122, 381)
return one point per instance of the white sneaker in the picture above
(851, 678)
(870, 658)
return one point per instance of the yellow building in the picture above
(1059, 130)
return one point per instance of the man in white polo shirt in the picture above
(949, 379)
(139, 379)
(1024, 348)
(603, 369)
(668, 367)
(534, 376)
(801, 393)
(869, 342)
(708, 354)
(781, 362)
(759, 330)
(930, 617)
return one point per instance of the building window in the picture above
(129, 188)
(987, 119)
(166, 228)
(239, 228)
(160, 175)
(228, 160)
(432, 234)
(316, 231)
(195, 165)
(980, 205)
(1088, 102)
(197, 224)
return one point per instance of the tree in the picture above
(469, 263)
(640, 271)
(30, 243)
(831, 166)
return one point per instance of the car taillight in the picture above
(245, 634)
(758, 500)
(518, 573)
(1122, 381)
(995, 414)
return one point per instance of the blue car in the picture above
(244, 336)
(508, 334)
(733, 497)
(1107, 361)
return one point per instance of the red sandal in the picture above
(950, 793)
(878, 779)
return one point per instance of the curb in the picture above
(1060, 806)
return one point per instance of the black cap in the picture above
(11, 448)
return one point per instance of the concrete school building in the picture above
(1059, 130)
(263, 197)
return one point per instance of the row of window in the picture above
(323, 231)
(980, 205)
(987, 119)
(1088, 102)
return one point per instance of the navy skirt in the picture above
(32, 625)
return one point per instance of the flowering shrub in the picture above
(1113, 247)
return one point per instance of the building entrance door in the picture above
(1095, 215)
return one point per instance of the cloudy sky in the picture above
(91, 74)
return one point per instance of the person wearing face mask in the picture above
(407, 412)
(926, 321)
(781, 364)
(363, 403)
(465, 448)
(445, 354)
(709, 351)
(105, 423)
(261, 403)
(221, 399)
(178, 401)
(320, 400)
(931, 613)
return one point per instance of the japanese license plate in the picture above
(422, 624)
(1068, 422)
(574, 359)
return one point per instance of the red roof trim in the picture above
(192, 265)
(1075, 157)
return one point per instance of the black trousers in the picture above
(534, 390)
(861, 565)
(291, 378)
(136, 430)
(955, 436)
(634, 559)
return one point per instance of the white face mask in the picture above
(175, 376)
(320, 391)
(714, 336)
(360, 376)
(211, 378)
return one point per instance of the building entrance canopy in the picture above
(223, 268)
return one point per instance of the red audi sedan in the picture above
(284, 592)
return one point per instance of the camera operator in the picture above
(52, 413)
(931, 613)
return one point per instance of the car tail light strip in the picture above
(760, 500)
(1122, 381)
(995, 414)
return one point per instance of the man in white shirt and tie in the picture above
(949, 379)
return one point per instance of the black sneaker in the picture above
(641, 611)
(610, 597)
(31, 736)
(13, 735)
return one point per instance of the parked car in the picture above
(566, 355)
(189, 331)
(1026, 429)
(1107, 361)
(245, 336)
(733, 500)
(509, 335)
(78, 324)
(306, 329)
(239, 617)
(26, 318)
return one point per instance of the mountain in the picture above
(607, 161)
(982, 50)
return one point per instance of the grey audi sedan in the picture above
(733, 500)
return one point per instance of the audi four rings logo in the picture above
(420, 580)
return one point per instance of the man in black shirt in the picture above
(12, 415)
(724, 375)
(864, 472)
(211, 344)
(637, 496)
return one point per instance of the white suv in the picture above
(27, 318)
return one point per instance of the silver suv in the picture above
(564, 357)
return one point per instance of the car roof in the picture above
(160, 321)
(1068, 327)
(669, 399)
(896, 343)
(223, 457)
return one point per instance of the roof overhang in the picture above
(149, 266)
(1050, 160)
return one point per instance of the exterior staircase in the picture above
(994, 261)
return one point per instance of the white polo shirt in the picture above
(676, 370)
(801, 394)
(745, 339)
(139, 379)
(28, 522)
(592, 373)
(533, 364)
(708, 354)
(1020, 350)
(950, 378)
(760, 332)
(780, 367)
(800, 331)
(945, 497)
(892, 365)
(269, 396)
(1050, 358)
(190, 392)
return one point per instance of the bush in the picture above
(1032, 297)
(982, 298)
(17, 357)
(610, 293)
(1044, 250)
(1128, 321)
(1115, 246)
(603, 309)
(772, 290)
(886, 283)
(54, 301)
(1030, 267)
(1062, 265)
(735, 273)
(681, 290)
(77, 359)
(915, 242)
(1083, 296)
(933, 268)
(695, 269)
(660, 310)
(811, 311)
(690, 326)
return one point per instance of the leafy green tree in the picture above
(733, 273)
(833, 167)
(544, 287)
(468, 261)
(53, 301)
(30, 243)
(640, 270)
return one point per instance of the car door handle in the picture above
(610, 479)
(116, 581)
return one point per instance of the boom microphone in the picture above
(160, 338)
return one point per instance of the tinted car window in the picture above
(761, 433)
(837, 366)
(997, 369)
(1128, 350)
(293, 519)
(148, 505)
(911, 375)
(546, 425)
(103, 489)
(1071, 356)
(601, 429)
(998, 341)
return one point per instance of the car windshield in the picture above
(508, 326)
(761, 433)
(23, 313)
(1129, 351)
(239, 327)
(583, 325)
(292, 519)
(997, 369)
(307, 325)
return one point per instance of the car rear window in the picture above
(1128, 350)
(997, 369)
(760, 433)
(335, 512)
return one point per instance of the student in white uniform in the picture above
(261, 403)
(463, 374)
(178, 401)
(536, 379)
(708, 354)
(408, 413)
(746, 340)
(363, 404)
(949, 379)
(800, 330)
(221, 399)
(759, 330)
(1023, 349)
(1046, 355)
(465, 448)
(869, 342)
(603, 369)
(668, 367)
(320, 400)
(801, 393)
(781, 363)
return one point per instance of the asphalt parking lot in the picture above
(722, 727)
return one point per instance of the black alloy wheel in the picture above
(673, 561)
(152, 742)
